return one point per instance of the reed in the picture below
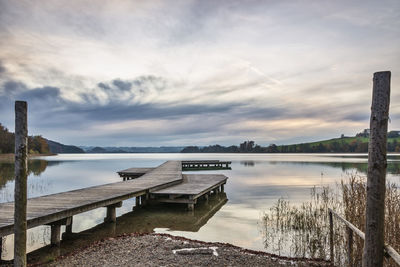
(303, 230)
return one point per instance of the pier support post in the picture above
(55, 228)
(68, 227)
(111, 212)
(137, 201)
(21, 174)
(191, 207)
(55, 234)
(222, 188)
(1, 247)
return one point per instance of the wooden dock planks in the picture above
(50, 208)
(194, 184)
(192, 187)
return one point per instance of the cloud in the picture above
(163, 72)
(2, 68)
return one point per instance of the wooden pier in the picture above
(57, 209)
(205, 165)
(193, 187)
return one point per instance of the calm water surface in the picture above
(255, 183)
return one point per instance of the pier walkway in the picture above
(57, 209)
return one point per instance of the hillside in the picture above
(355, 144)
(59, 148)
(163, 149)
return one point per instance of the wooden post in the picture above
(376, 183)
(331, 237)
(21, 173)
(55, 234)
(111, 212)
(1, 247)
(350, 246)
(68, 226)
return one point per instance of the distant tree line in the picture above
(339, 145)
(36, 144)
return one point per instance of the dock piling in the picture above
(68, 227)
(56, 230)
(111, 216)
(55, 234)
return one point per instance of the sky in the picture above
(177, 73)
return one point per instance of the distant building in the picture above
(364, 133)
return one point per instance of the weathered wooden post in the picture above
(21, 155)
(331, 237)
(376, 184)
(350, 246)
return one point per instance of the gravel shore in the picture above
(166, 250)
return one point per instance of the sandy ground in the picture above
(166, 250)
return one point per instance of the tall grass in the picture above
(303, 230)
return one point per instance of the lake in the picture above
(256, 182)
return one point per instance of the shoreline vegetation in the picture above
(354, 144)
(304, 227)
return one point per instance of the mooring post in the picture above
(376, 181)
(331, 237)
(350, 246)
(21, 173)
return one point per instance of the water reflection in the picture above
(248, 163)
(35, 168)
(145, 219)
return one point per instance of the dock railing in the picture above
(389, 251)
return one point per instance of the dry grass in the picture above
(303, 230)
